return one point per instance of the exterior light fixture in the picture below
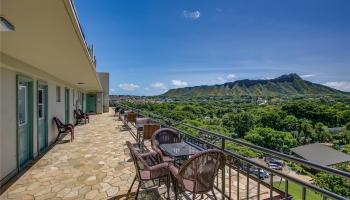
(6, 26)
(80, 83)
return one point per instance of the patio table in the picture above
(178, 151)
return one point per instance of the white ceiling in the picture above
(47, 36)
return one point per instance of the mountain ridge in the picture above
(284, 85)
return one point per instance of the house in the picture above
(46, 70)
(321, 154)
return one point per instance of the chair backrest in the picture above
(131, 117)
(199, 172)
(80, 112)
(58, 122)
(139, 163)
(165, 136)
(149, 130)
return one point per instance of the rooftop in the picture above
(321, 154)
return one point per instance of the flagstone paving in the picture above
(96, 165)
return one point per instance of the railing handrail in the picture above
(262, 149)
(325, 193)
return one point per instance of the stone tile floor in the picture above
(96, 165)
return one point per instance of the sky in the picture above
(150, 46)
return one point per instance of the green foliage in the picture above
(272, 139)
(346, 149)
(239, 123)
(333, 183)
(244, 151)
(321, 133)
(290, 123)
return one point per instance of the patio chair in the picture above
(64, 128)
(131, 117)
(197, 174)
(146, 171)
(164, 136)
(121, 113)
(140, 121)
(79, 117)
(147, 133)
(87, 116)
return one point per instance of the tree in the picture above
(272, 139)
(290, 123)
(239, 123)
(346, 149)
(271, 119)
(321, 133)
(304, 131)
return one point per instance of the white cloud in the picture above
(112, 90)
(159, 85)
(179, 83)
(307, 75)
(340, 85)
(228, 78)
(128, 86)
(192, 14)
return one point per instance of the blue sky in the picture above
(149, 46)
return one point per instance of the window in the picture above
(58, 93)
(22, 105)
(41, 97)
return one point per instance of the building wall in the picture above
(8, 123)
(9, 69)
(99, 103)
(104, 80)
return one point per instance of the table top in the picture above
(178, 149)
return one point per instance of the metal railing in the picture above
(241, 167)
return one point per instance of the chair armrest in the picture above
(159, 167)
(173, 170)
(148, 154)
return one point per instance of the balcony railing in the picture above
(239, 165)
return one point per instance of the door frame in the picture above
(42, 83)
(95, 102)
(30, 111)
(66, 105)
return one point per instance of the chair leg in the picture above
(167, 186)
(138, 189)
(132, 184)
(174, 186)
(212, 190)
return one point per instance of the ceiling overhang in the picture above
(48, 36)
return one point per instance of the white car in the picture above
(275, 166)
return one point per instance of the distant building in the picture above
(321, 154)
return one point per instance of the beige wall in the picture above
(8, 122)
(104, 80)
(8, 140)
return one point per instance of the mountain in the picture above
(285, 85)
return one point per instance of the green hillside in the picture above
(285, 85)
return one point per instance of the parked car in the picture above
(262, 174)
(273, 160)
(275, 166)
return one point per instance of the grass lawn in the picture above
(295, 191)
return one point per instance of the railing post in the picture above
(223, 171)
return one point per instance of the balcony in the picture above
(97, 165)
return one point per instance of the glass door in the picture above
(24, 120)
(42, 116)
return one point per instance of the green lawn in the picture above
(295, 191)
